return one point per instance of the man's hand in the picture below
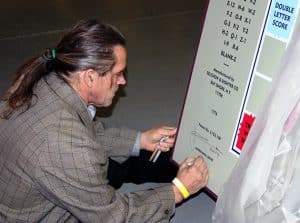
(193, 174)
(151, 139)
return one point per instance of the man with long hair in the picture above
(54, 157)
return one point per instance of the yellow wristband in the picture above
(185, 193)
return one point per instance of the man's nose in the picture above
(121, 80)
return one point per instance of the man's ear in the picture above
(89, 77)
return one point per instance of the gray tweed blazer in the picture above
(53, 165)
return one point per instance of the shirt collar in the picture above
(92, 111)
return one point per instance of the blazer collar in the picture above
(69, 96)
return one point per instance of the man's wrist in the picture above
(180, 186)
(177, 194)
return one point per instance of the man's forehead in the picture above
(121, 58)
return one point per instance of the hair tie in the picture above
(49, 54)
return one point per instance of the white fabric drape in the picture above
(264, 186)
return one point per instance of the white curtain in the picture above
(264, 186)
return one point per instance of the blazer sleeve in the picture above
(71, 173)
(118, 142)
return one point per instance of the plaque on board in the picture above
(240, 48)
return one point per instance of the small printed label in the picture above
(282, 18)
(244, 130)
